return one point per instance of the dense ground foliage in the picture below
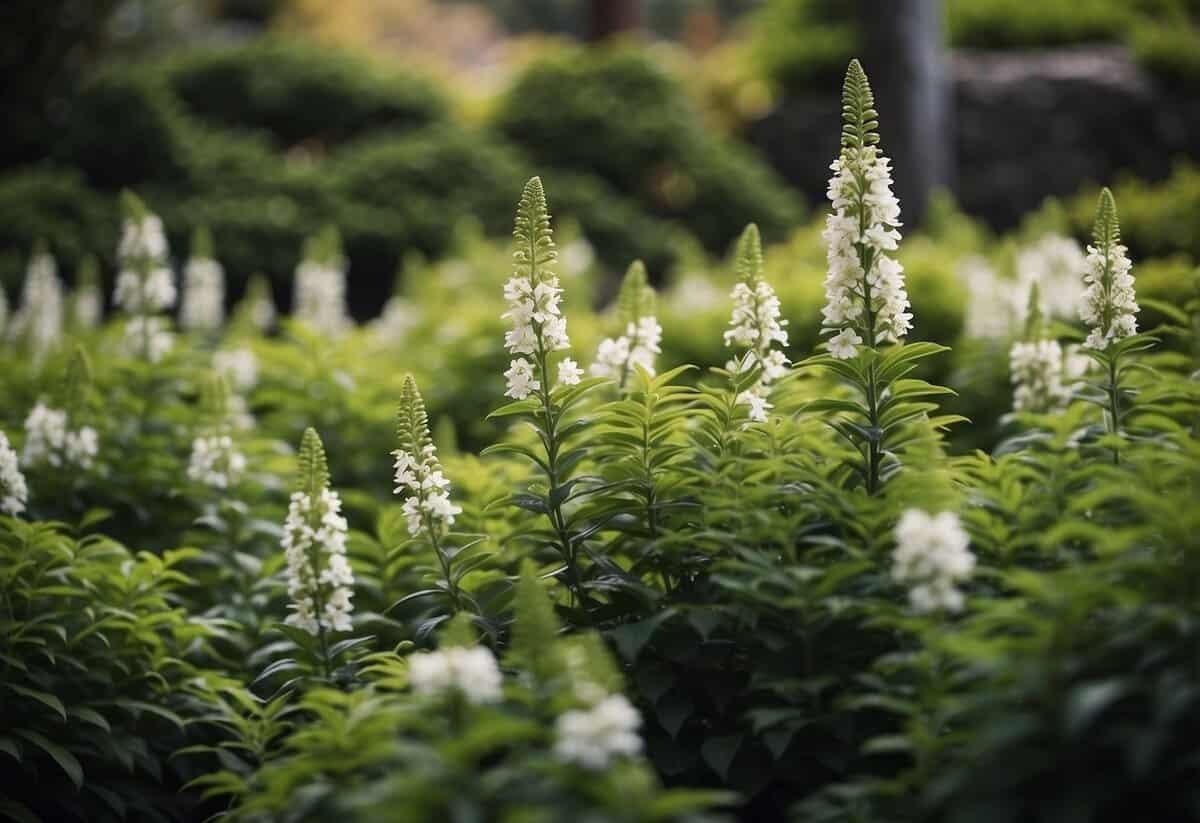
(492, 556)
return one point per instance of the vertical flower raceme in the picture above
(320, 291)
(87, 301)
(49, 441)
(203, 305)
(533, 295)
(471, 672)
(145, 283)
(866, 299)
(419, 477)
(39, 318)
(640, 344)
(14, 494)
(3, 313)
(931, 559)
(595, 736)
(320, 580)
(1109, 306)
(1038, 378)
(238, 366)
(755, 325)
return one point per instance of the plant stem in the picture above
(554, 512)
(1114, 405)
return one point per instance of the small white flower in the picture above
(569, 372)
(931, 558)
(39, 319)
(143, 239)
(521, 382)
(238, 366)
(844, 345)
(14, 494)
(215, 461)
(756, 399)
(594, 737)
(611, 357)
(149, 337)
(471, 672)
(48, 440)
(138, 293)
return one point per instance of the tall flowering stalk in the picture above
(420, 480)
(87, 301)
(56, 435)
(755, 326)
(320, 580)
(203, 305)
(867, 302)
(320, 292)
(639, 345)
(39, 318)
(866, 299)
(216, 461)
(539, 332)
(14, 494)
(145, 283)
(1109, 308)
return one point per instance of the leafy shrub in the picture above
(1154, 215)
(95, 699)
(296, 92)
(614, 114)
(793, 581)
(125, 128)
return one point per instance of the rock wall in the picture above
(1027, 125)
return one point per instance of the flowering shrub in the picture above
(572, 592)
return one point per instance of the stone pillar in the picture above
(905, 58)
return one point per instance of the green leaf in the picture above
(45, 698)
(66, 761)
(718, 753)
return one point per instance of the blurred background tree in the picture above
(268, 118)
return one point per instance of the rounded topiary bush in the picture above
(125, 128)
(615, 114)
(297, 92)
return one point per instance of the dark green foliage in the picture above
(94, 700)
(125, 129)
(299, 93)
(615, 115)
(55, 206)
